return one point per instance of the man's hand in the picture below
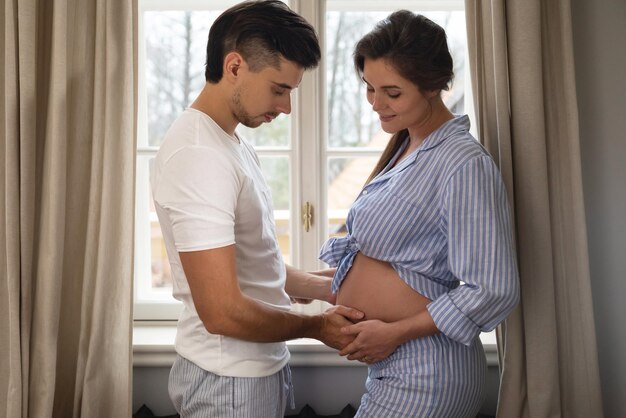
(333, 320)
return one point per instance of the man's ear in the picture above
(233, 62)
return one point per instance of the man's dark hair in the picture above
(262, 32)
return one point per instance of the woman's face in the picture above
(399, 103)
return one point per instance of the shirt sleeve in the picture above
(481, 253)
(198, 189)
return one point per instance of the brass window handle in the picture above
(307, 216)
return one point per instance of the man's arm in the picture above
(225, 310)
(303, 285)
(329, 272)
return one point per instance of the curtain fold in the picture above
(522, 65)
(67, 114)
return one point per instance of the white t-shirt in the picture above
(209, 192)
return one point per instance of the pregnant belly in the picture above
(376, 289)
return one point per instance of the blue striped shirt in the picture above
(441, 218)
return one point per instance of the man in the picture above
(215, 213)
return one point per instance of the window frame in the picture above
(153, 343)
(308, 138)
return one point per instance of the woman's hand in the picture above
(374, 341)
(334, 319)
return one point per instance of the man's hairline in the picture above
(277, 67)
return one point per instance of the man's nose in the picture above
(285, 105)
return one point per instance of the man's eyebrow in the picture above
(391, 86)
(283, 85)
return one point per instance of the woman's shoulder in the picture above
(457, 150)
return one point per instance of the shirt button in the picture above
(364, 191)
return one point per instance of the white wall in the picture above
(600, 54)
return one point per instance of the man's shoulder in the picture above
(190, 129)
(188, 136)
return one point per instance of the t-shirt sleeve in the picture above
(198, 189)
(480, 253)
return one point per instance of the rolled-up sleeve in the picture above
(481, 253)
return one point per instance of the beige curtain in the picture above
(67, 100)
(521, 58)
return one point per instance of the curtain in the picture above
(67, 117)
(521, 58)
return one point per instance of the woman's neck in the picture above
(440, 115)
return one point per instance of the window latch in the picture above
(307, 216)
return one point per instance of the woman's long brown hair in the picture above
(394, 144)
(417, 48)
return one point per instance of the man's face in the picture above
(261, 96)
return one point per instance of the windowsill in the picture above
(153, 346)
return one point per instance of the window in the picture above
(320, 155)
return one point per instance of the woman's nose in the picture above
(378, 103)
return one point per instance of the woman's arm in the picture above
(375, 340)
(481, 254)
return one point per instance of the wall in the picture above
(600, 54)
(327, 389)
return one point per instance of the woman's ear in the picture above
(430, 94)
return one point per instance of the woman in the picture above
(429, 256)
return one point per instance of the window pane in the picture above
(351, 121)
(153, 275)
(160, 266)
(175, 42)
(277, 173)
(274, 134)
(346, 177)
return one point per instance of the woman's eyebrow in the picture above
(391, 86)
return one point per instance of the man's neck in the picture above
(213, 101)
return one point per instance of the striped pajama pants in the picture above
(433, 377)
(197, 393)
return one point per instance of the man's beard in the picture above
(242, 114)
